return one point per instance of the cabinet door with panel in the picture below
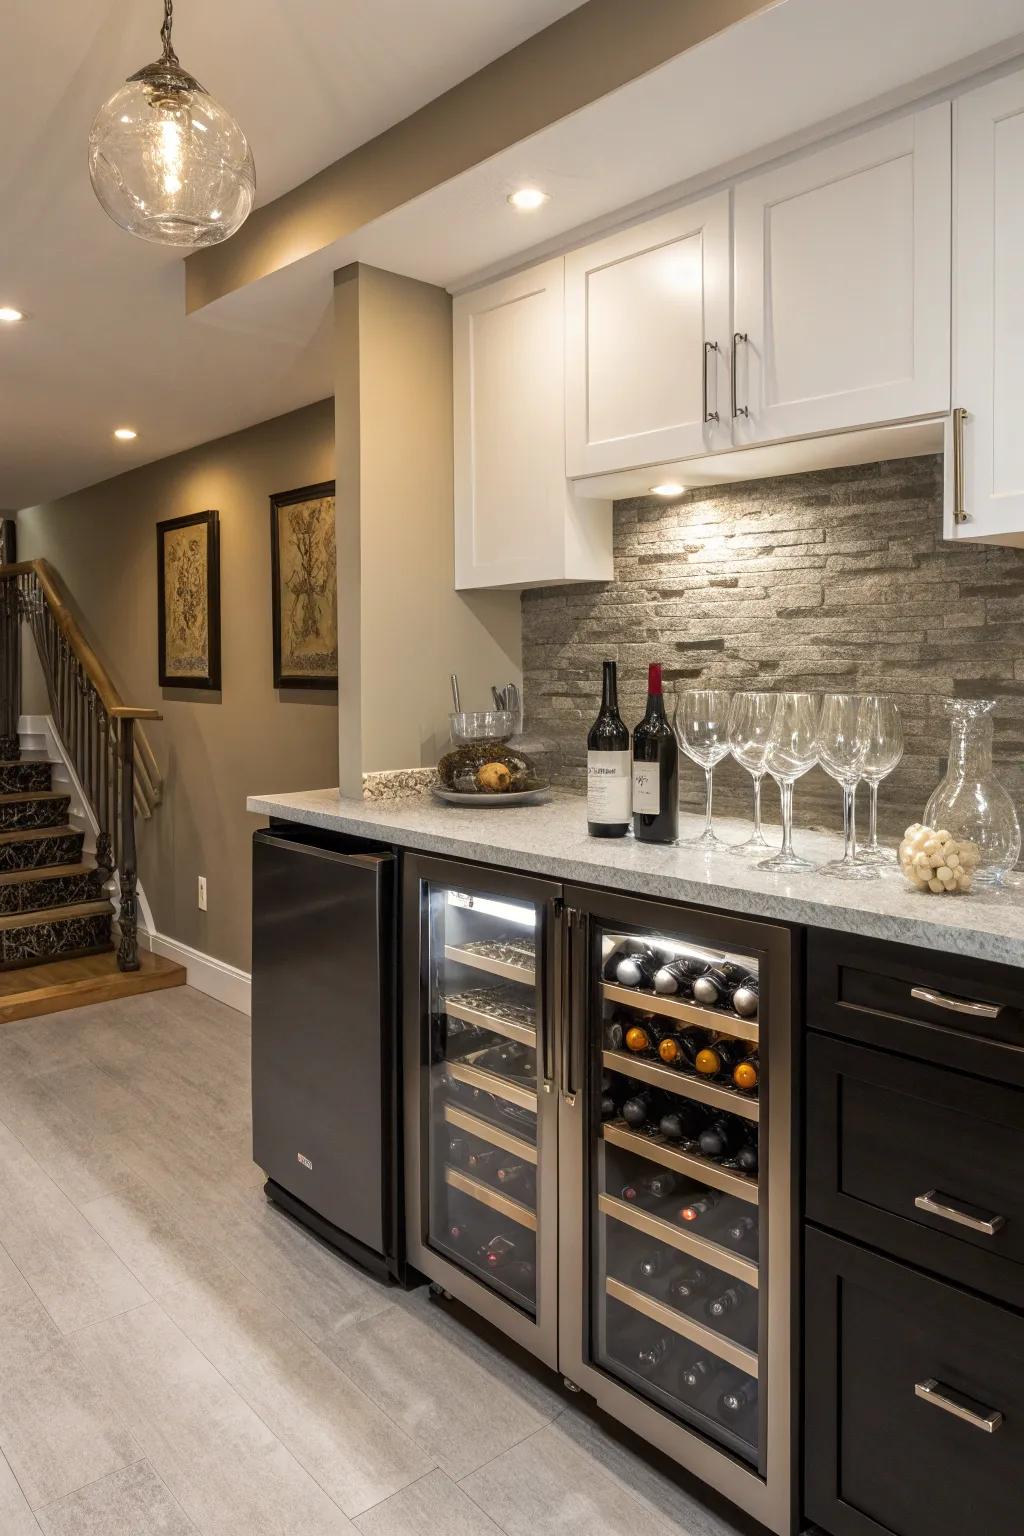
(647, 332)
(517, 522)
(842, 292)
(985, 467)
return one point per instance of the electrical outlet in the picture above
(202, 893)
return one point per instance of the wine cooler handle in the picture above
(956, 1004)
(569, 1007)
(937, 1204)
(554, 992)
(959, 1405)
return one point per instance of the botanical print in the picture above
(306, 589)
(187, 647)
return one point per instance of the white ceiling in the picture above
(109, 341)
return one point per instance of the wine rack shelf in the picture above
(490, 1082)
(682, 1083)
(703, 1169)
(484, 962)
(667, 1317)
(455, 1008)
(494, 1134)
(717, 1019)
(667, 1232)
(504, 1204)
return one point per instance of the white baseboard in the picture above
(215, 977)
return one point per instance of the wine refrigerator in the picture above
(599, 1158)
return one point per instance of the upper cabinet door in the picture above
(988, 288)
(842, 290)
(517, 523)
(645, 311)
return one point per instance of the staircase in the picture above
(65, 939)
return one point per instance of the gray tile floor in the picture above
(178, 1357)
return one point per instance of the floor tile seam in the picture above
(40, 1509)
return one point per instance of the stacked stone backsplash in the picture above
(838, 579)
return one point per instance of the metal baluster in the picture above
(128, 949)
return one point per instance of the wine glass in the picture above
(750, 725)
(792, 750)
(702, 728)
(841, 751)
(882, 729)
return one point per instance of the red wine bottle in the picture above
(609, 781)
(655, 769)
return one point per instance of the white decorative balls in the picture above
(935, 861)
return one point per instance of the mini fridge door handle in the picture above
(574, 992)
(554, 990)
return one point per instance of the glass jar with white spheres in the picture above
(970, 802)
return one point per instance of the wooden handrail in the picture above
(56, 597)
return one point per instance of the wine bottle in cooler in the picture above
(655, 769)
(609, 772)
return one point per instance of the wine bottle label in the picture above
(608, 788)
(646, 789)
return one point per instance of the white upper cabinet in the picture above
(517, 522)
(645, 312)
(985, 466)
(842, 284)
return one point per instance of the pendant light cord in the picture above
(165, 33)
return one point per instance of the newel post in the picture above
(128, 949)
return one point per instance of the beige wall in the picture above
(399, 611)
(214, 748)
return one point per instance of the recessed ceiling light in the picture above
(125, 434)
(9, 315)
(526, 199)
(668, 488)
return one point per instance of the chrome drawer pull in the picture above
(961, 1407)
(937, 1204)
(957, 1004)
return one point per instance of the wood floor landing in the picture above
(32, 990)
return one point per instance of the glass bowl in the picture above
(480, 725)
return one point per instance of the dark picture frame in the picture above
(195, 606)
(306, 570)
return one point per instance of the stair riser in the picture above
(58, 891)
(16, 778)
(54, 941)
(26, 814)
(42, 852)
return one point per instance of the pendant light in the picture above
(167, 162)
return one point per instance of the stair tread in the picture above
(26, 834)
(45, 872)
(20, 762)
(55, 914)
(34, 794)
(53, 985)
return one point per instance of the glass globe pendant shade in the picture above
(167, 162)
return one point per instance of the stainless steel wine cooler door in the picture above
(678, 1284)
(482, 982)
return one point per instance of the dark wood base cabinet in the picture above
(914, 1401)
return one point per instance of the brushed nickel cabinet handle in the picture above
(737, 410)
(709, 346)
(938, 1204)
(956, 1004)
(960, 1406)
(568, 1008)
(959, 510)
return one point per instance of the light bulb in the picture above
(11, 316)
(526, 199)
(668, 488)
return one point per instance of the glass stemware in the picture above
(882, 729)
(750, 725)
(702, 729)
(841, 750)
(792, 750)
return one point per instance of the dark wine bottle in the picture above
(744, 1159)
(501, 1250)
(652, 1355)
(518, 1176)
(735, 1399)
(744, 998)
(650, 1265)
(695, 1376)
(700, 1207)
(458, 1150)
(609, 779)
(684, 1122)
(720, 1057)
(678, 1047)
(642, 1109)
(638, 967)
(718, 982)
(641, 1039)
(655, 770)
(721, 1138)
(741, 1230)
(746, 1074)
(674, 979)
(614, 1034)
(483, 1159)
(729, 1300)
(692, 1282)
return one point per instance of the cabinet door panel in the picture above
(639, 308)
(842, 284)
(988, 353)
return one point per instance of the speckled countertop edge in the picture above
(550, 839)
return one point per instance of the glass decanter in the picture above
(970, 802)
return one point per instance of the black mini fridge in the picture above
(324, 1046)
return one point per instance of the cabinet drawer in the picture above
(880, 1457)
(884, 1132)
(953, 1010)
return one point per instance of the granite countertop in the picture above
(551, 839)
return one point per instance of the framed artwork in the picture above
(305, 587)
(188, 601)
